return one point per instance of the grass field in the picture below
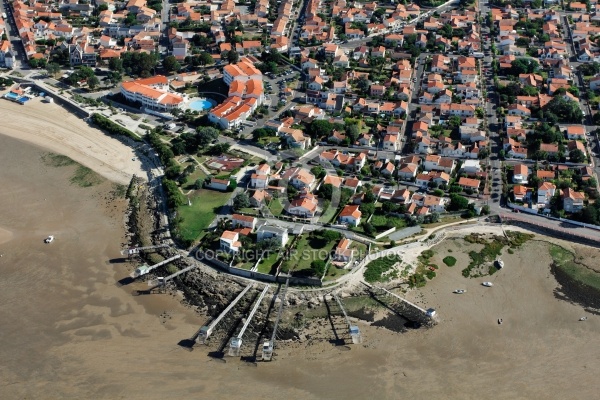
(334, 272)
(308, 249)
(328, 215)
(384, 222)
(198, 216)
(266, 264)
(276, 207)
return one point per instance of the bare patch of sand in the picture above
(5, 235)
(54, 128)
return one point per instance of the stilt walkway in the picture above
(162, 281)
(267, 350)
(206, 331)
(137, 250)
(353, 329)
(236, 342)
(144, 269)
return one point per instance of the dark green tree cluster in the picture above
(139, 64)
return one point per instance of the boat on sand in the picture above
(487, 284)
(49, 239)
(459, 291)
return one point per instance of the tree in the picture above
(116, 64)
(457, 202)
(170, 64)
(318, 267)
(576, 156)
(141, 64)
(326, 191)
(53, 69)
(320, 128)
(233, 56)
(363, 84)
(318, 171)
(240, 201)
(368, 228)
(367, 208)
(205, 58)
(93, 82)
(331, 236)
(564, 109)
(524, 66)
(206, 135)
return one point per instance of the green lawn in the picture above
(266, 264)
(269, 139)
(193, 177)
(328, 215)
(276, 207)
(384, 222)
(360, 249)
(307, 250)
(334, 272)
(198, 216)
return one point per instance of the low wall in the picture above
(522, 208)
(281, 278)
(552, 231)
(382, 234)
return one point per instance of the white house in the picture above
(546, 191)
(520, 174)
(219, 184)
(229, 242)
(258, 181)
(245, 221)
(268, 232)
(350, 215)
(471, 166)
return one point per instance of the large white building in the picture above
(153, 93)
(246, 93)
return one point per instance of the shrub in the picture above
(112, 128)
(449, 261)
(430, 274)
(376, 268)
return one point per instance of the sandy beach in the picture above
(56, 129)
(69, 331)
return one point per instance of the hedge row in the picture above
(113, 128)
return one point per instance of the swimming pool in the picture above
(202, 104)
(11, 96)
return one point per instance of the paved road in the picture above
(13, 36)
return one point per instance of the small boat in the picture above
(487, 284)
(499, 263)
(459, 291)
(49, 239)
(583, 318)
(499, 321)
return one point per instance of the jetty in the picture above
(206, 331)
(145, 269)
(236, 342)
(136, 250)
(352, 329)
(268, 346)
